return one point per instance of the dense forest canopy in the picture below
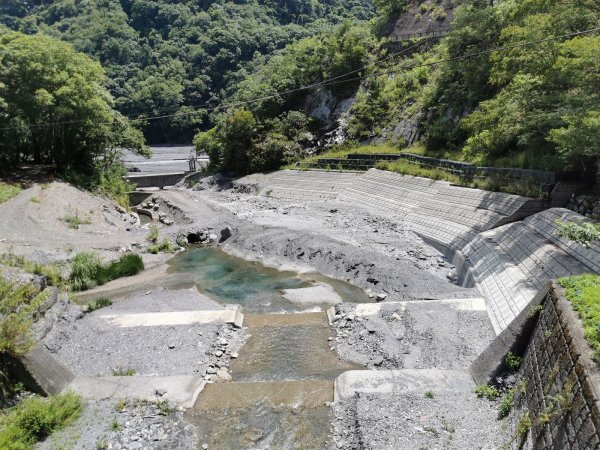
(511, 84)
(177, 58)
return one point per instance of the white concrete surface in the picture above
(233, 316)
(181, 390)
(401, 381)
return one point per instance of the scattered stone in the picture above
(381, 297)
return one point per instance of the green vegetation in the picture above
(52, 271)
(178, 58)
(73, 221)
(512, 361)
(272, 132)
(88, 269)
(18, 306)
(8, 190)
(584, 233)
(166, 246)
(583, 291)
(405, 167)
(36, 418)
(123, 372)
(97, 304)
(429, 394)
(152, 235)
(44, 80)
(524, 425)
(506, 404)
(487, 391)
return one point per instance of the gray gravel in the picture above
(413, 421)
(89, 346)
(137, 425)
(424, 335)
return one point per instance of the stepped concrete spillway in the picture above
(506, 245)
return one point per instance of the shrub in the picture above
(429, 394)
(88, 270)
(164, 246)
(506, 404)
(487, 391)
(152, 235)
(85, 271)
(129, 264)
(18, 304)
(512, 361)
(36, 418)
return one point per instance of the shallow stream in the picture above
(283, 377)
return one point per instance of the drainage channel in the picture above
(283, 378)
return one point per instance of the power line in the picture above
(331, 82)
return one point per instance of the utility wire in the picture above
(331, 81)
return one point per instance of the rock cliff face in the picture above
(422, 16)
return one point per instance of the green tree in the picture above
(54, 107)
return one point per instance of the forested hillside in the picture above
(513, 84)
(176, 59)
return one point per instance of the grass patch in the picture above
(506, 404)
(18, 305)
(165, 246)
(8, 190)
(405, 167)
(36, 418)
(36, 199)
(123, 372)
(52, 271)
(89, 271)
(487, 391)
(429, 394)
(583, 291)
(152, 235)
(98, 304)
(73, 221)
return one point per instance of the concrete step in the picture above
(181, 390)
(348, 384)
(233, 316)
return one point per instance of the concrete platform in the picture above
(401, 381)
(232, 316)
(182, 390)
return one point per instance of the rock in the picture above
(120, 209)
(225, 234)
(134, 445)
(218, 353)
(171, 346)
(223, 342)
(205, 446)
(156, 207)
(381, 297)
(211, 370)
(212, 237)
(234, 355)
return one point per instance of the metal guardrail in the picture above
(465, 171)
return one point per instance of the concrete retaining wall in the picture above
(558, 385)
